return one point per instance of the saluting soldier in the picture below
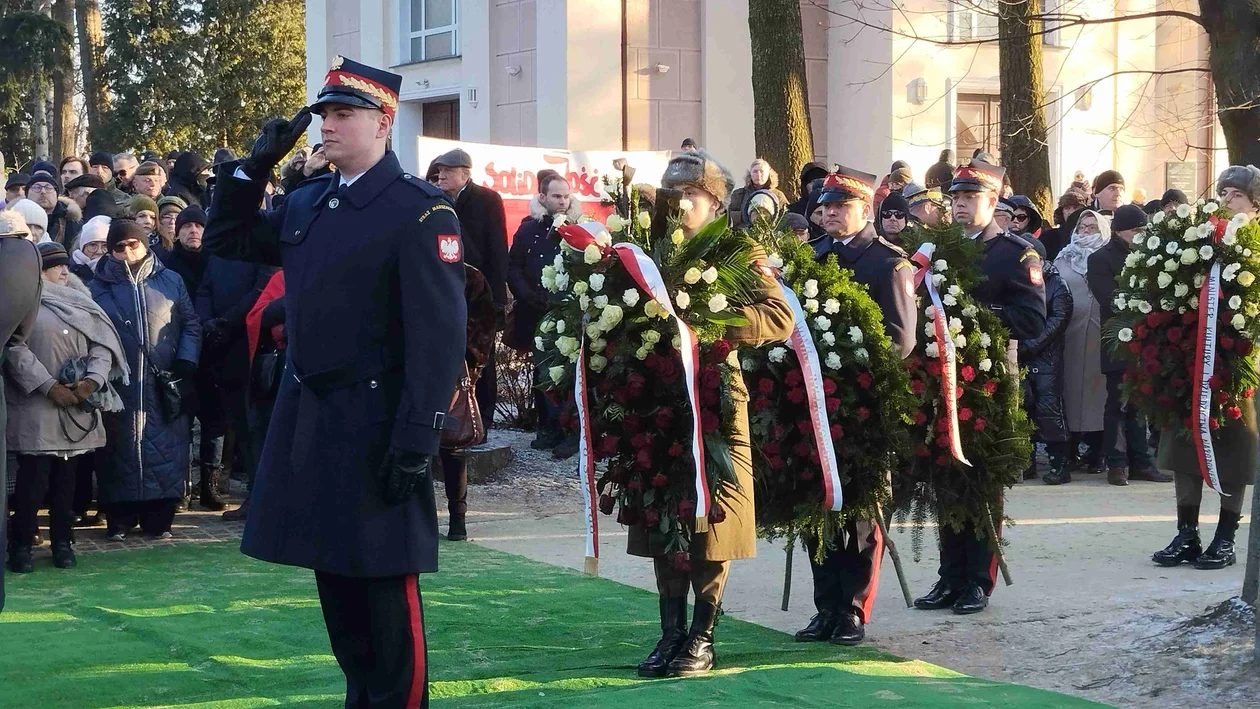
(375, 324)
(846, 581)
(1014, 290)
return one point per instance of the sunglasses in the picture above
(894, 214)
(1021, 217)
(124, 246)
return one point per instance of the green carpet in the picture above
(206, 627)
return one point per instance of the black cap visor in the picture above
(345, 98)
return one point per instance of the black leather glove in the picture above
(400, 472)
(184, 369)
(216, 330)
(276, 140)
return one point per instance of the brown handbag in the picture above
(468, 430)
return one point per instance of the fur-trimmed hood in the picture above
(537, 212)
(772, 182)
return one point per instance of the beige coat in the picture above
(1084, 386)
(769, 320)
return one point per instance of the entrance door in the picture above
(441, 119)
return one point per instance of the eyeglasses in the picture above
(1021, 217)
(41, 187)
(125, 245)
(894, 214)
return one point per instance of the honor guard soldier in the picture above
(1013, 289)
(846, 581)
(375, 322)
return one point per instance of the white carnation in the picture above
(685, 205)
(833, 361)
(811, 306)
(1235, 302)
(592, 254)
(932, 350)
(562, 281)
(598, 345)
(861, 354)
(985, 340)
(682, 299)
(775, 260)
(777, 354)
(1194, 302)
(1171, 248)
(811, 288)
(556, 374)
(718, 303)
(1132, 259)
(597, 282)
(855, 334)
(580, 287)
(1211, 207)
(822, 322)
(597, 363)
(1183, 210)
(547, 326)
(748, 365)
(600, 301)
(949, 299)
(539, 344)
(960, 342)
(560, 327)
(1238, 321)
(1205, 252)
(1157, 218)
(1172, 265)
(710, 275)
(1152, 243)
(584, 301)
(630, 297)
(1144, 307)
(986, 364)
(1125, 334)
(831, 307)
(941, 265)
(829, 338)
(937, 279)
(615, 222)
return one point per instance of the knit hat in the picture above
(94, 229)
(901, 174)
(689, 143)
(44, 166)
(165, 201)
(190, 215)
(12, 224)
(142, 203)
(101, 157)
(17, 179)
(1107, 178)
(44, 177)
(1173, 196)
(1074, 198)
(150, 168)
(1152, 206)
(699, 169)
(88, 180)
(31, 212)
(454, 158)
(1244, 178)
(52, 253)
(1129, 216)
(894, 203)
(121, 230)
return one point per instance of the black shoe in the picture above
(1218, 555)
(1057, 476)
(89, 521)
(820, 628)
(37, 540)
(850, 630)
(181, 505)
(566, 449)
(545, 441)
(1118, 475)
(456, 530)
(1149, 473)
(1030, 473)
(63, 556)
(941, 596)
(1186, 546)
(1096, 470)
(210, 499)
(20, 559)
(673, 635)
(696, 655)
(240, 514)
(972, 600)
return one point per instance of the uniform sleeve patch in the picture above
(1027, 255)
(1034, 274)
(449, 248)
(437, 208)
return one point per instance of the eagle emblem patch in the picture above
(449, 248)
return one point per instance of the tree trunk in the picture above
(780, 97)
(62, 133)
(39, 109)
(1233, 30)
(91, 56)
(1025, 147)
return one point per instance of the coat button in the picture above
(406, 176)
(373, 384)
(299, 231)
(332, 203)
(65, 332)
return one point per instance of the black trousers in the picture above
(84, 472)
(487, 393)
(1115, 416)
(376, 627)
(966, 559)
(455, 479)
(39, 475)
(848, 577)
(153, 516)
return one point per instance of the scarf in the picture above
(79, 311)
(1076, 254)
(81, 259)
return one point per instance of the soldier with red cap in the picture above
(375, 325)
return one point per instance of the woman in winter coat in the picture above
(90, 249)
(146, 457)
(1084, 386)
(759, 178)
(70, 356)
(1043, 388)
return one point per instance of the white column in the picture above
(316, 55)
(592, 107)
(372, 35)
(727, 98)
(474, 40)
(551, 25)
(860, 93)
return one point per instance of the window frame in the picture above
(973, 10)
(992, 129)
(407, 35)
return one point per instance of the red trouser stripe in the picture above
(868, 603)
(419, 676)
(993, 565)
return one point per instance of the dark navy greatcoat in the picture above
(1014, 287)
(886, 272)
(374, 293)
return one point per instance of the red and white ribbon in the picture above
(945, 351)
(643, 270)
(586, 457)
(807, 354)
(1204, 366)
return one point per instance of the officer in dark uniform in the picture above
(1013, 289)
(375, 324)
(846, 581)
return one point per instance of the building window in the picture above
(432, 29)
(978, 124)
(972, 19)
(1052, 36)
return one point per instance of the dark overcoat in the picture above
(375, 318)
(1043, 356)
(886, 272)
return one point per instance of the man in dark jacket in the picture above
(484, 230)
(1043, 387)
(19, 304)
(1071, 203)
(940, 174)
(187, 179)
(101, 164)
(811, 172)
(1105, 264)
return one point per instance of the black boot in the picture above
(941, 596)
(673, 634)
(457, 530)
(1220, 553)
(210, 499)
(546, 440)
(63, 556)
(20, 559)
(1186, 546)
(696, 656)
(1059, 472)
(240, 514)
(820, 628)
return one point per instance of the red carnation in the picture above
(643, 459)
(837, 431)
(1173, 334)
(675, 450)
(686, 509)
(864, 380)
(708, 422)
(833, 404)
(1150, 351)
(710, 378)
(608, 446)
(1226, 342)
(1140, 332)
(1152, 319)
(1146, 389)
(958, 392)
(793, 378)
(631, 423)
(964, 414)
(829, 387)
(668, 370)
(920, 418)
(659, 480)
(968, 373)
(765, 386)
(942, 424)
(761, 404)
(664, 417)
(801, 449)
(641, 440)
(1213, 424)
(980, 424)
(682, 560)
(864, 413)
(1233, 412)
(709, 398)
(651, 517)
(1189, 317)
(1150, 368)
(1214, 381)
(717, 514)
(771, 448)
(990, 387)
(720, 349)
(1135, 347)
(796, 395)
(1250, 392)
(1244, 347)
(804, 426)
(917, 386)
(776, 462)
(942, 441)
(933, 368)
(607, 503)
(1176, 382)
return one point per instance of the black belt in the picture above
(329, 380)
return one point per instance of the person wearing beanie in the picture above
(1128, 220)
(168, 212)
(90, 248)
(1171, 199)
(894, 216)
(144, 210)
(80, 187)
(43, 166)
(703, 185)
(941, 172)
(64, 216)
(1152, 207)
(53, 256)
(191, 215)
(101, 202)
(141, 471)
(15, 186)
(101, 164)
(149, 180)
(186, 256)
(797, 224)
(187, 180)
(1109, 191)
(898, 177)
(810, 172)
(1236, 444)
(36, 218)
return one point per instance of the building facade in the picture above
(901, 81)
